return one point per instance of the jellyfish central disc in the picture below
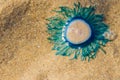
(78, 32)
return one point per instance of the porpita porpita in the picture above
(77, 31)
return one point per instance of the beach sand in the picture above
(25, 52)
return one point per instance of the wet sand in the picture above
(25, 52)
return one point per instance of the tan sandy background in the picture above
(25, 52)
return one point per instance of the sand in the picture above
(25, 52)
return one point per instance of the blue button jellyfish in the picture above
(78, 31)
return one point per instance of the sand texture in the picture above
(25, 52)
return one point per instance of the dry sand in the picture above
(25, 53)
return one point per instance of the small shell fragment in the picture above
(110, 35)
